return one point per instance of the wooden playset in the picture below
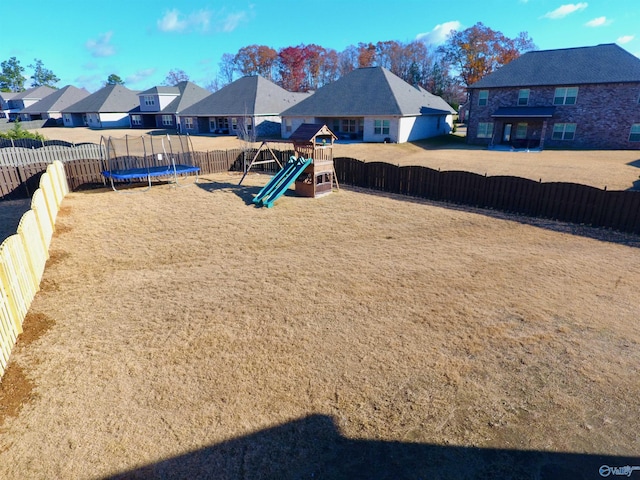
(313, 146)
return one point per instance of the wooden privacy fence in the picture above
(23, 257)
(20, 168)
(568, 202)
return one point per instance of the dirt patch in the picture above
(16, 389)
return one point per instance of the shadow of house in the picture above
(312, 447)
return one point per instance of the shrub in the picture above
(17, 133)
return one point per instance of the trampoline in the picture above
(130, 160)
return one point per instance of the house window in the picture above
(564, 131)
(349, 125)
(188, 123)
(634, 136)
(167, 120)
(287, 125)
(381, 127)
(234, 123)
(149, 100)
(485, 130)
(136, 120)
(523, 97)
(565, 96)
(249, 124)
(483, 97)
(521, 131)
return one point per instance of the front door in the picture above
(506, 134)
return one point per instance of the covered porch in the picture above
(521, 127)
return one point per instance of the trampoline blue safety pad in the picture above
(132, 173)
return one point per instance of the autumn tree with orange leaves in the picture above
(479, 50)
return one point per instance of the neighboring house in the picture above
(587, 97)
(4, 103)
(250, 106)
(22, 100)
(160, 106)
(109, 107)
(51, 106)
(373, 105)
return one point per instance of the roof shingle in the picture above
(370, 91)
(606, 63)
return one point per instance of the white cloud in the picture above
(102, 46)
(171, 23)
(565, 10)
(140, 75)
(201, 21)
(625, 39)
(175, 21)
(598, 22)
(439, 33)
(231, 22)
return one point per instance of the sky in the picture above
(83, 42)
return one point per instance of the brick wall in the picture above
(603, 115)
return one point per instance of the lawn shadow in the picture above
(450, 142)
(635, 163)
(313, 447)
(245, 192)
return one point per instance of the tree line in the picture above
(446, 71)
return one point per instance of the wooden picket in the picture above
(45, 223)
(8, 331)
(15, 275)
(23, 257)
(49, 196)
(36, 249)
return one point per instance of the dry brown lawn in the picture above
(184, 333)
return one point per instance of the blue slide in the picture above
(281, 181)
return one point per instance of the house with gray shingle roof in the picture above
(249, 106)
(586, 97)
(160, 106)
(5, 97)
(51, 106)
(373, 105)
(109, 107)
(22, 100)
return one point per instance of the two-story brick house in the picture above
(583, 98)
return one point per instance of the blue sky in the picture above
(83, 42)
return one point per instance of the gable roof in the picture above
(306, 132)
(58, 100)
(35, 93)
(370, 91)
(251, 95)
(189, 94)
(6, 96)
(109, 99)
(606, 63)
